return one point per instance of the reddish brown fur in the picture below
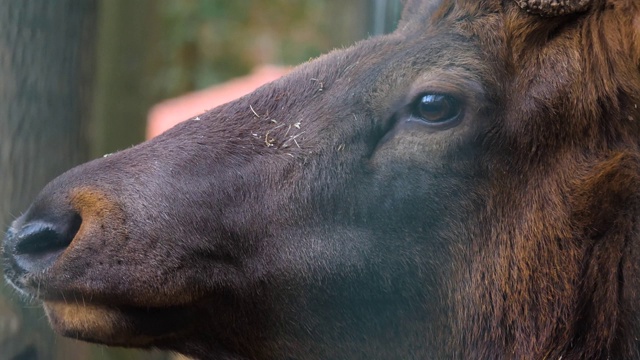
(512, 234)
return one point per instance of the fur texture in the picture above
(325, 216)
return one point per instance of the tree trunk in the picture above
(128, 32)
(46, 60)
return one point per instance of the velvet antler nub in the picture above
(552, 8)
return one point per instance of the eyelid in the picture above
(457, 82)
(415, 95)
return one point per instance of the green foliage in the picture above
(207, 41)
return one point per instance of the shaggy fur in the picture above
(325, 217)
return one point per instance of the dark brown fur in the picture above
(316, 219)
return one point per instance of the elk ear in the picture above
(550, 8)
(410, 8)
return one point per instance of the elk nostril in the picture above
(39, 243)
(39, 238)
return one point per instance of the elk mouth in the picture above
(116, 326)
(85, 315)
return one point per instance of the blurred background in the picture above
(83, 78)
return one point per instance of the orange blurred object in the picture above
(166, 114)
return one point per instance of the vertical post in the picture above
(127, 35)
(379, 17)
(46, 64)
(385, 16)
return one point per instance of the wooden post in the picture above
(46, 65)
(128, 33)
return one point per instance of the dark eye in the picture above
(437, 108)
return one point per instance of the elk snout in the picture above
(38, 238)
(35, 242)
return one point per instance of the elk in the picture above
(466, 187)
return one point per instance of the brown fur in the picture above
(317, 219)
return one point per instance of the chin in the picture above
(125, 327)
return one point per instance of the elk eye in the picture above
(437, 108)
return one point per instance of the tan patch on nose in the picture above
(93, 203)
(100, 213)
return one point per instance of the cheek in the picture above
(418, 174)
(420, 147)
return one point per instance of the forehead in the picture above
(479, 22)
(468, 36)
